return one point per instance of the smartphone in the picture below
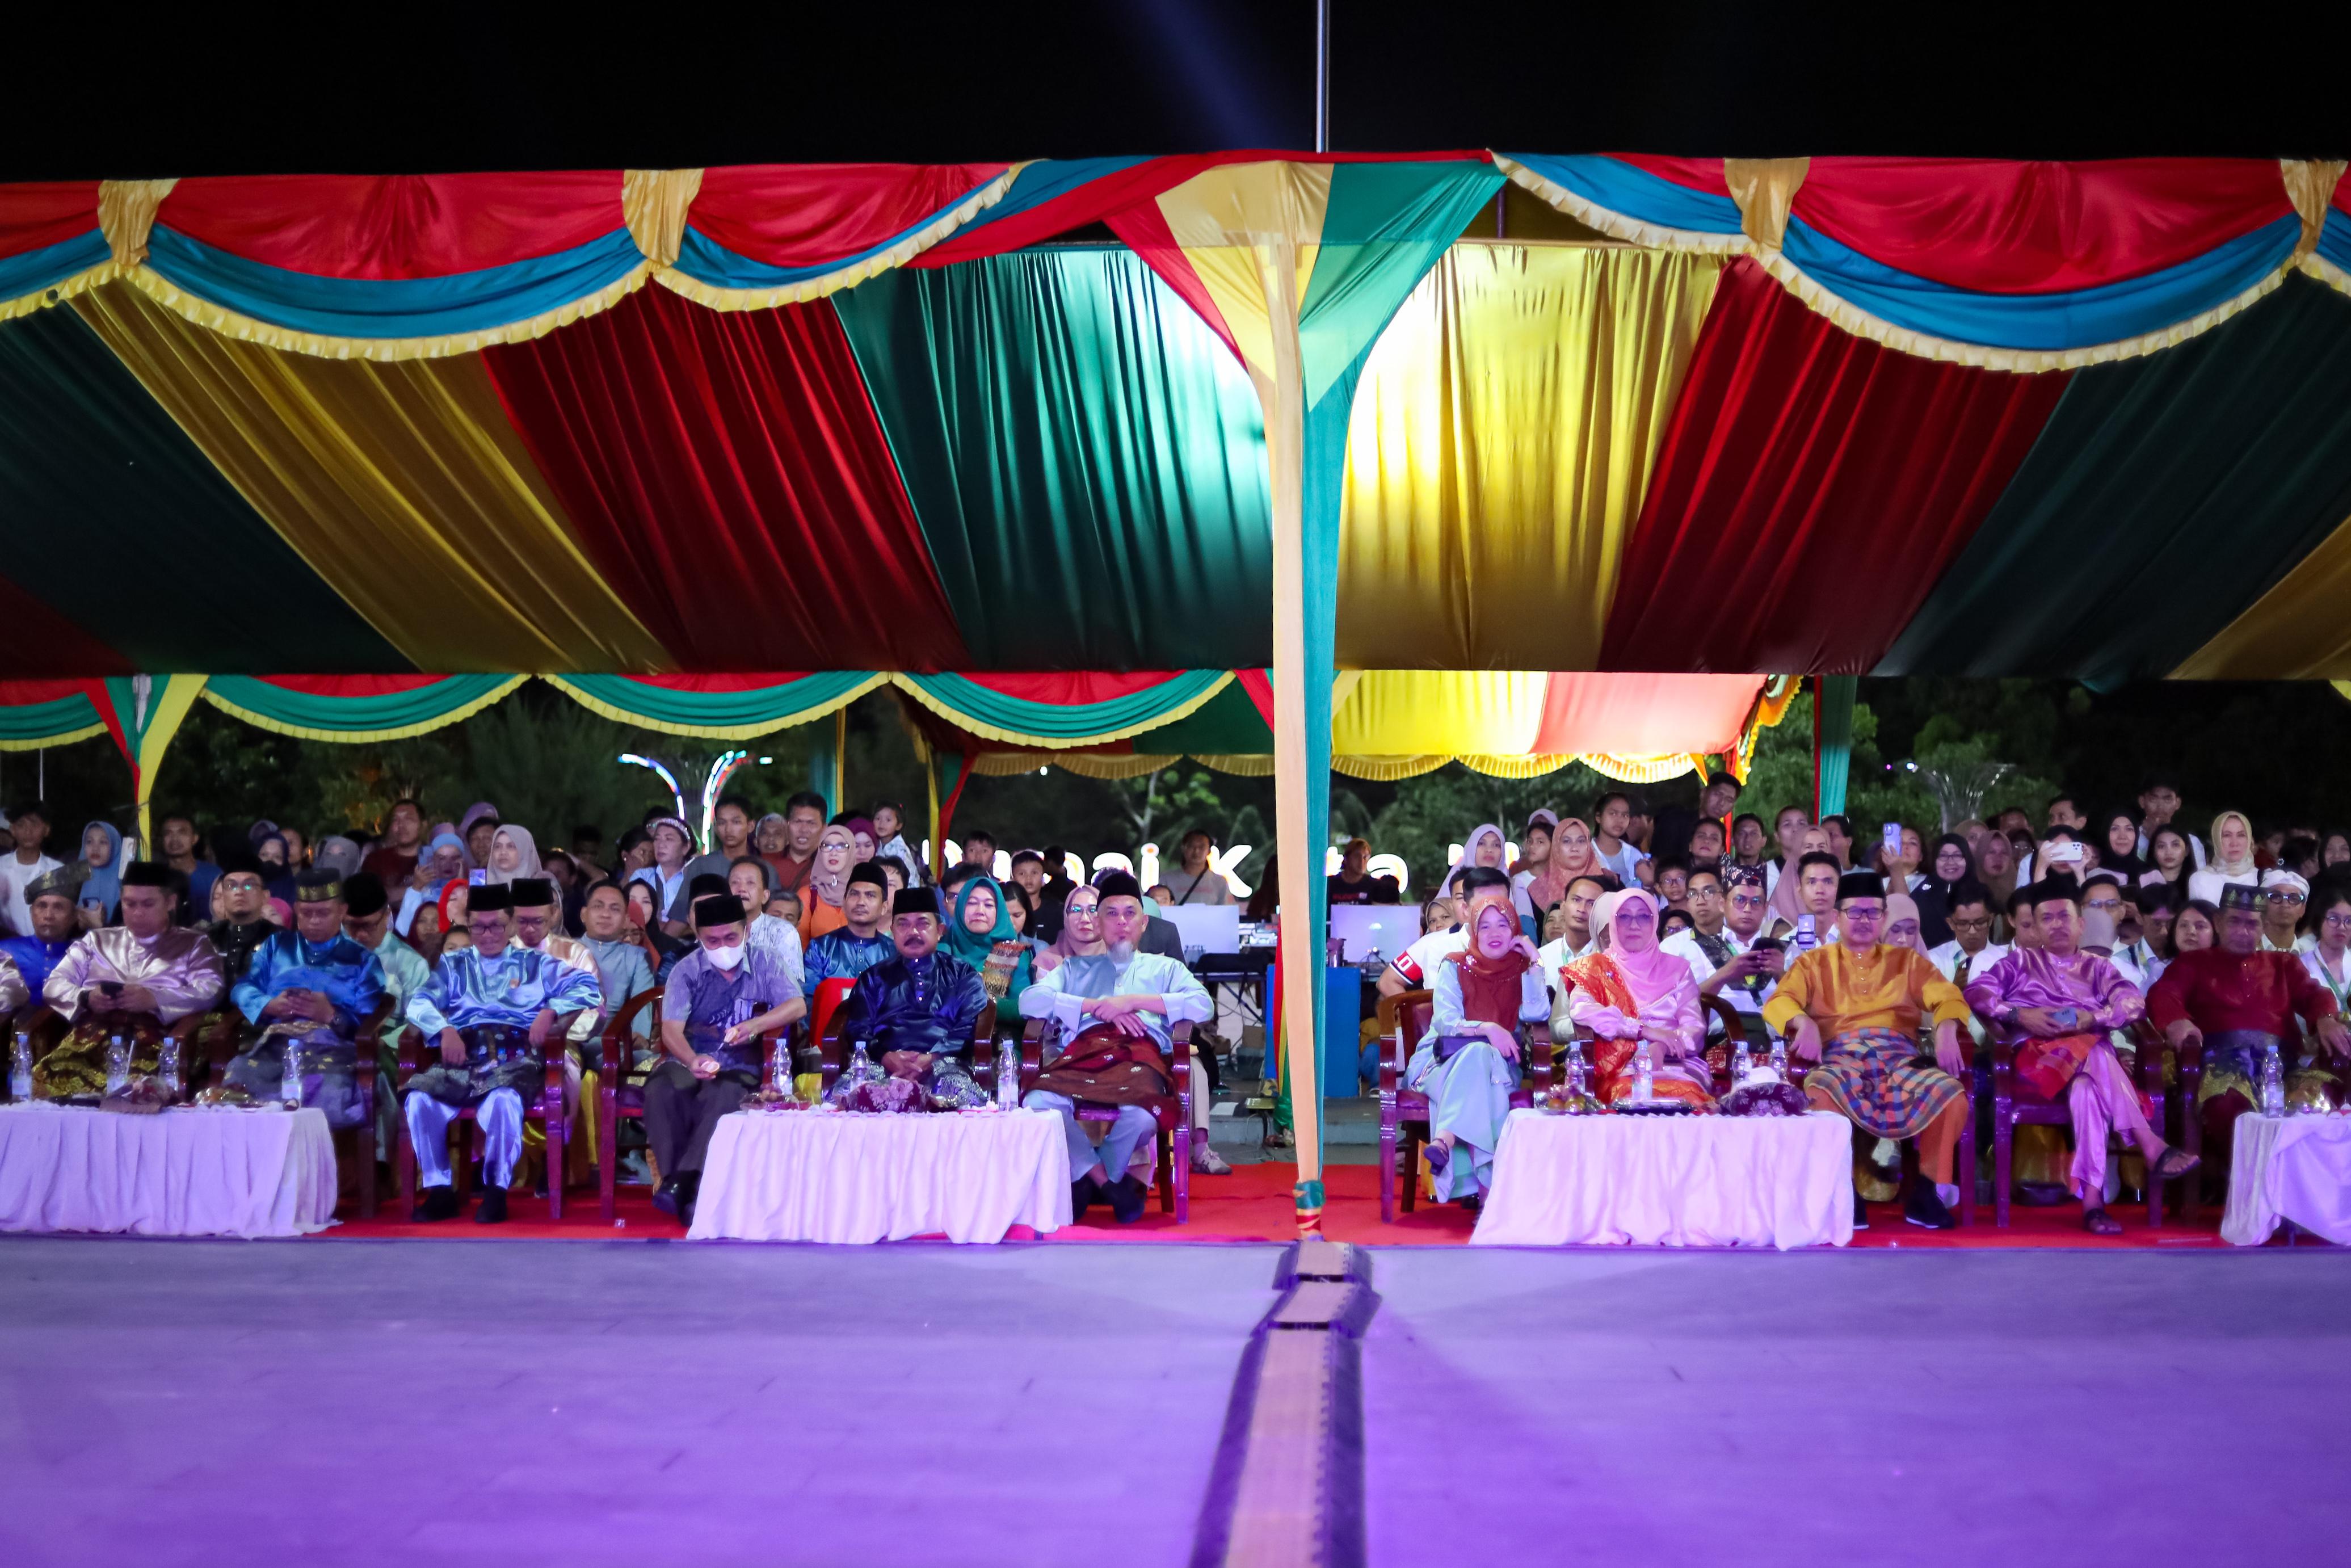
(1769, 944)
(476, 877)
(1890, 835)
(112, 987)
(2065, 1018)
(2066, 854)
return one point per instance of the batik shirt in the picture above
(1062, 993)
(708, 1000)
(844, 954)
(929, 1004)
(469, 990)
(341, 970)
(178, 965)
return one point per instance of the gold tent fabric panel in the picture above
(1501, 443)
(2297, 630)
(403, 484)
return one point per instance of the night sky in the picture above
(424, 88)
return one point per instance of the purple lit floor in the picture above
(420, 1403)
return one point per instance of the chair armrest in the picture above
(2148, 1041)
(2004, 1070)
(620, 1032)
(1542, 1053)
(1734, 1022)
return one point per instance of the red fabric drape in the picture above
(349, 685)
(2036, 227)
(1695, 173)
(395, 225)
(805, 215)
(1069, 688)
(1258, 684)
(1644, 715)
(725, 471)
(1812, 487)
(34, 217)
(41, 643)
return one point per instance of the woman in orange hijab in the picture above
(1467, 1064)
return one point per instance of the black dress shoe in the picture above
(665, 1195)
(1084, 1193)
(1860, 1213)
(1924, 1207)
(689, 1188)
(492, 1209)
(1127, 1195)
(440, 1203)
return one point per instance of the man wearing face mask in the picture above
(481, 997)
(1119, 995)
(722, 997)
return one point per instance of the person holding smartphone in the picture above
(2055, 1005)
(138, 979)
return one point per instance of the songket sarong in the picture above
(1876, 1081)
(2048, 1066)
(76, 1069)
(2234, 1060)
(946, 1086)
(329, 1065)
(496, 1059)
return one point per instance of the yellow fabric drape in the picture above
(1405, 713)
(402, 483)
(2295, 632)
(1501, 440)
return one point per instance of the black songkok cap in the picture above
(146, 873)
(61, 881)
(317, 887)
(240, 858)
(531, 891)
(716, 909)
(705, 884)
(870, 874)
(1115, 884)
(2233, 895)
(363, 893)
(915, 901)
(1859, 884)
(487, 896)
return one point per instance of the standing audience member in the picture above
(28, 829)
(1953, 865)
(394, 860)
(176, 836)
(1192, 880)
(101, 871)
(1612, 819)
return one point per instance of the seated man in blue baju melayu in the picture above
(1120, 996)
(492, 1005)
(307, 990)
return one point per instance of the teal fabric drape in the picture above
(718, 707)
(46, 723)
(2164, 496)
(120, 524)
(1833, 757)
(345, 715)
(1227, 724)
(999, 715)
(1086, 460)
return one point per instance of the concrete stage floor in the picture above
(424, 1403)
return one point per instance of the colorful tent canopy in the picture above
(413, 438)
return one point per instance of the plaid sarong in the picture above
(1875, 1080)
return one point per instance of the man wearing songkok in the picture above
(2055, 1005)
(848, 951)
(244, 894)
(539, 926)
(137, 978)
(1856, 1006)
(2237, 1000)
(481, 997)
(1120, 995)
(366, 920)
(49, 901)
(919, 1007)
(309, 989)
(721, 998)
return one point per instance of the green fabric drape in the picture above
(118, 522)
(23, 725)
(1227, 724)
(383, 716)
(1086, 460)
(1012, 720)
(1833, 756)
(2165, 495)
(716, 707)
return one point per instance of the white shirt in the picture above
(1625, 862)
(780, 940)
(1946, 959)
(2207, 885)
(1556, 952)
(17, 876)
(2195, 851)
(1418, 962)
(1684, 945)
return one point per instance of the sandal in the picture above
(2098, 1222)
(2176, 1163)
(1439, 1155)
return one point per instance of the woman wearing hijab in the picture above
(338, 855)
(1572, 855)
(1904, 924)
(2233, 859)
(1995, 860)
(2118, 837)
(100, 895)
(1081, 929)
(1486, 847)
(277, 874)
(476, 815)
(828, 883)
(1633, 992)
(1950, 864)
(980, 932)
(1534, 844)
(1467, 1064)
(514, 854)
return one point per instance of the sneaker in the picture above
(440, 1203)
(492, 1209)
(1125, 1195)
(1205, 1161)
(1925, 1210)
(1860, 1213)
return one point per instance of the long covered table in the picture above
(182, 1172)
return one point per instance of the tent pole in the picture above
(1322, 75)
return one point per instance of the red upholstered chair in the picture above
(1404, 1113)
(2014, 1101)
(1172, 1111)
(418, 1053)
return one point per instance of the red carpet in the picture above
(1253, 1204)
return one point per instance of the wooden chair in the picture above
(832, 1048)
(366, 1039)
(2152, 1043)
(547, 1111)
(620, 1093)
(1404, 1113)
(1172, 1111)
(38, 1025)
(2014, 1102)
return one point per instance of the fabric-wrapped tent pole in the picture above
(1832, 743)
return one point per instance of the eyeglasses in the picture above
(2289, 898)
(2109, 904)
(2337, 921)
(1959, 923)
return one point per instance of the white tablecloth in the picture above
(179, 1173)
(1673, 1181)
(808, 1175)
(2289, 1167)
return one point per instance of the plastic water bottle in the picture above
(861, 1066)
(2272, 1082)
(780, 1067)
(167, 1067)
(20, 1069)
(1741, 1063)
(1779, 1057)
(118, 1063)
(1007, 1074)
(1643, 1078)
(289, 1086)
